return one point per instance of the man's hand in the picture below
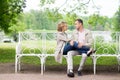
(80, 44)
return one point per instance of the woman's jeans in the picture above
(68, 47)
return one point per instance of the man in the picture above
(84, 39)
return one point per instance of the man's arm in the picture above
(89, 39)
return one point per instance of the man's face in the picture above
(77, 25)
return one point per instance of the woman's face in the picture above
(65, 27)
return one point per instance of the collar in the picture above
(85, 30)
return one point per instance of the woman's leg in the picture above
(83, 49)
(67, 48)
(75, 45)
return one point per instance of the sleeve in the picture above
(62, 37)
(72, 36)
(89, 39)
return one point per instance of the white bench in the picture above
(111, 44)
(43, 45)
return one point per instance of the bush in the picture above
(7, 55)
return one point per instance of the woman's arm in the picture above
(62, 37)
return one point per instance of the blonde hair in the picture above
(61, 25)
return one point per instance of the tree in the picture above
(38, 20)
(53, 15)
(19, 26)
(66, 10)
(116, 20)
(68, 6)
(70, 18)
(98, 22)
(9, 10)
(15, 28)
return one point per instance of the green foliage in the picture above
(38, 20)
(116, 20)
(54, 15)
(19, 26)
(43, 2)
(7, 55)
(70, 18)
(67, 6)
(9, 10)
(98, 22)
(105, 48)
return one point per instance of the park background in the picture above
(14, 19)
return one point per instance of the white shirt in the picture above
(81, 37)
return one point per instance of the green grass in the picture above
(7, 52)
(7, 55)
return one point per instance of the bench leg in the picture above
(19, 63)
(42, 65)
(118, 68)
(16, 63)
(94, 63)
(118, 63)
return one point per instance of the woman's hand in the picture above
(71, 42)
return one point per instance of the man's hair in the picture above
(79, 20)
(61, 26)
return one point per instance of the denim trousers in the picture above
(81, 50)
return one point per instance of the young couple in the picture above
(79, 44)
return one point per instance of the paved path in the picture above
(33, 73)
(59, 76)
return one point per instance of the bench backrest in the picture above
(106, 42)
(45, 42)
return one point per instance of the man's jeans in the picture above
(68, 47)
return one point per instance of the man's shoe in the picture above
(70, 74)
(79, 73)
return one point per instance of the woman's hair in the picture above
(61, 25)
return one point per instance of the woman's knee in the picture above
(84, 55)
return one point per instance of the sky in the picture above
(107, 7)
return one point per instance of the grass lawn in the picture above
(7, 55)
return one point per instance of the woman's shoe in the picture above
(90, 52)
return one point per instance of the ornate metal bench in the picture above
(107, 44)
(43, 45)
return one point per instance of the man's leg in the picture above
(70, 54)
(84, 57)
